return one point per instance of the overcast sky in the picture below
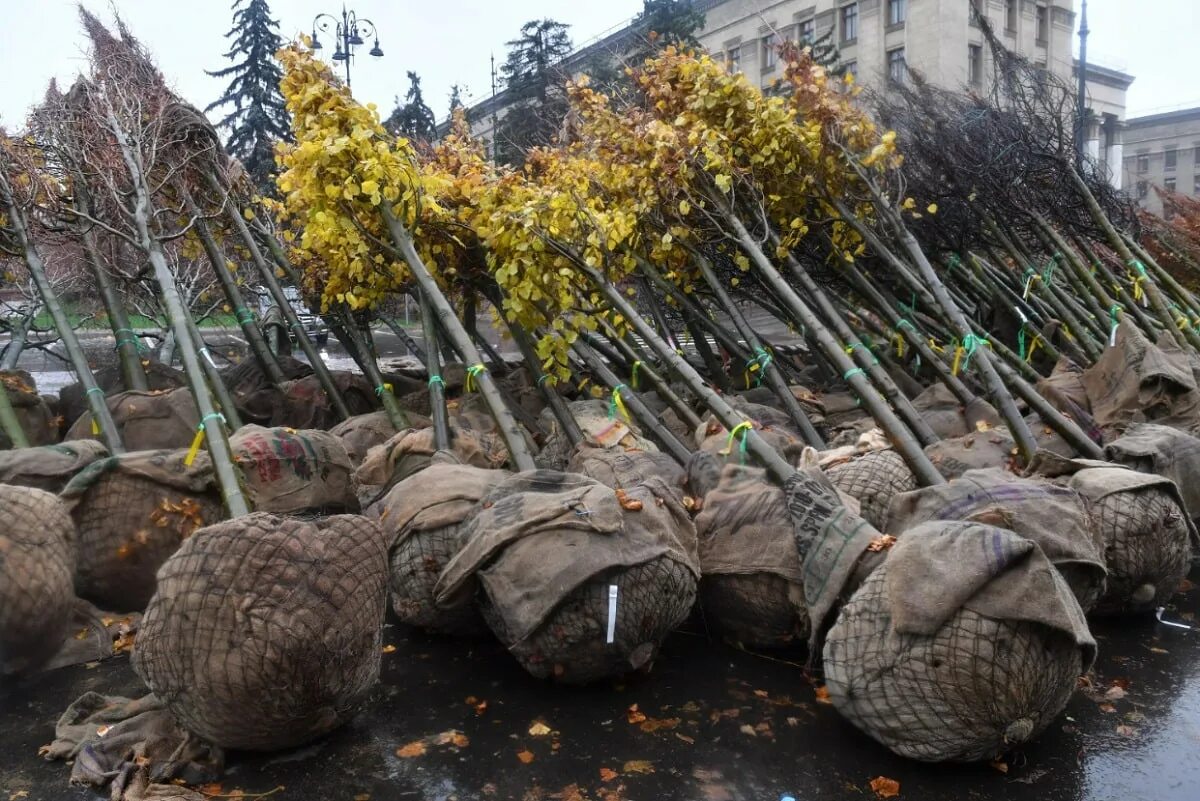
(450, 41)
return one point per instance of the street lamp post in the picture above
(347, 34)
(1081, 111)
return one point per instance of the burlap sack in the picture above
(423, 518)
(266, 632)
(713, 437)
(751, 583)
(37, 566)
(411, 451)
(1139, 382)
(964, 643)
(37, 419)
(947, 417)
(977, 451)
(1162, 451)
(303, 404)
(291, 472)
(1147, 536)
(364, 431)
(621, 469)
(1064, 388)
(49, 467)
(133, 747)
(131, 512)
(161, 378)
(147, 421)
(874, 478)
(256, 400)
(549, 550)
(600, 430)
(1054, 517)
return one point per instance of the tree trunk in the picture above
(96, 401)
(215, 382)
(437, 387)
(9, 422)
(510, 430)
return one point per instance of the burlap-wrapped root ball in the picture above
(600, 430)
(1146, 536)
(295, 472)
(751, 583)
(146, 420)
(265, 631)
(423, 518)
(964, 643)
(622, 469)
(37, 565)
(131, 512)
(874, 478)
(48, 467)
(579, 581)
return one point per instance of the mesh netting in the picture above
(36, 567)
(757, 610)
(969, 692)
(127, 526)
(266, 631)
(1146, 549)
(416, 563)
(874, 479)
(571, 644)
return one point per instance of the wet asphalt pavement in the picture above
(720, 725)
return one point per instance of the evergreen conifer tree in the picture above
(413, 119)
(258, 119)
(534, 78)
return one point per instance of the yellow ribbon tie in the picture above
(1037, 340)
(898, 341)
(958, 356)
(198, 440)
(473, 376)
(95, 426)
(633, 378)
(741, 427)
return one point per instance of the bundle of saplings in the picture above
(423, 518)
(37, 563)
(48, 467)
(751, 584)
(265, 632)
(131, 512)
(579, 581)
(964, 643)
(874, 479)
(1057, 518)
(146, 420)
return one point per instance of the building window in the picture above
(974, 65)
(770, 52)
(1196, 184)
(807, 32)
(1143, 163)
(1170, 159)
(1143, 189)
(849, 23)
(733, 59)
(1169, 184)
(850, 68)
(895, 65)
(1010, 16)
(1042, 28)
(973, 13)
(897, 11)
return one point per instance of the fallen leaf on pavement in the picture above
(526, 756)
(633, 715)
(412, 750)
(1115, 693)
(1000, 766)
(539, 729)
(1107, 709)
(823, 695)
(651, 725)
(638, 766)
(748, 730)
(608, 774)
(389, 649)
(686, 739)
(761, 693)
(885, 787)
(1126, 731)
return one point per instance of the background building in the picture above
(880, 40)
(1163, 150)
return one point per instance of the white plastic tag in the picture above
(612, 613)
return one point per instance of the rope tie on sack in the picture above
(473, 376)
(198, 440)
(1114, 319)
(616, 405)
(742, 428)
(132, 339)
(1031, 275)
(964, 352)
(757, 365)
(898, 338)
(95, 422)
(633, 375)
